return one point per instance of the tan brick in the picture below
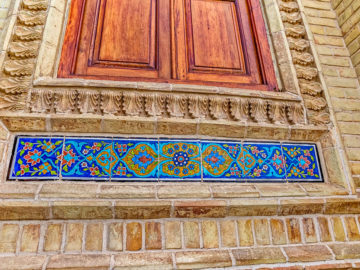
(210, 234)
(191, 234)
(338, 229)
(82, 210)
(346, 251)
(325, 235)
(18, 191)
(237, 191)
(301, 207)
(68, 191)
(258, 255)
(278, 231)
(127, 191)
(183, 191)
(115, 236)
(53, 237)
(285, 190)
(172, 234)
(133, 236)
(142, 209)
(321, 189)
(24, 210)
(153, 260)
(329, 266)
(202, 259)
(74, 232)
(327, 40)
(253, 207)
(352, 229)
(153, 239)
(94, 237)
(309, 253)
(261, 228)
(350, 128)
(195, 209)
(8, 237)
(30, 238)
(228, 233)
(293, 230)
(342, 206)
(79, 261)
(245, 232)
(309, 230)
(22, 262)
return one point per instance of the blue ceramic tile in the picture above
(219, 161)
(179, 160)
(36, 158)
(262, 161)
(87, 158)
(302, 162)
(137, 160)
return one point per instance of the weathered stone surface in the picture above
(235, 191)
(30, 238)
(352, 229)
(338, 229)
(202, 259)
(74, 236)
(115, 236)
(127, 191)
(153, 260)
(142, 209)
(284, 190)
(278, 231)
(196, 209)
(68, 191)
(261, 228)
(310, 253)
(252, 207)
(133, 236)
(18, 191)
(172, 234)
(210, 234)
(346, 251)
(8, 237)
(228, 233)
(309, 230)
(79, 261)
(82, 210)
(325, 235)
(94, 237)
(258, 256)
(153, 238)
(293, 230)
(22, 262)
(53, 237)
(191, 234)
(183, 191)
(24, 210)
(301, 207)
(331, 266)
(245, 232)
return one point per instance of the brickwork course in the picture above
(165, 225)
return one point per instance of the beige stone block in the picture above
(324, 230)
(353, 153)
(321, 189)
(142, 209)
(352, 229)
(22, 262)
(133, 236)
(77, 191)
(196, 209)
(261, 228)
(210, 234)
(293, 230)
(346, 251)
(127, 191)
(308, 253)
(130, 126)
(82, 210)
(338, 229)
(18, 190)
(228, 233)
(252, 256)
(24, 210)
(219, 129)
(183, 191)
(278, 231)
(285, 190)
(83, 125)
(74, 236)
(30, 238)
(24, 123)
(153, 236)
(94, 237)
(234, 191)
(202, 259)
(153, 260)
(301, 207)
(309, 230)
(172, 234)
(253, 207)
(350, 128)
(79, 261)
(8, 237)
(191, 234)
(177, 127)
(115, 236)
(53, 237)
(245, 232)
(342, 206)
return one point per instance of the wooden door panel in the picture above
(213, 37)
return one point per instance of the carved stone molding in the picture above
(303, 59)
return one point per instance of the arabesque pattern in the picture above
(125, 159)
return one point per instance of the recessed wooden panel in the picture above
(126, 33)
(214, 36)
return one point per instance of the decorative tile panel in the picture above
(126, 159)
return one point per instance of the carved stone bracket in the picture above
(307, 73)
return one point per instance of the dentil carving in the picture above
(111, 103)
(218, 108)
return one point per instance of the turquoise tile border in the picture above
(138, 159)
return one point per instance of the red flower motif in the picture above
(33, 157)
(303, 162)
(94, 170)
(278, 161)
(311, 172)
(307, 153)
(254, 150)
(24, 168)
(27, 146)
(96, 146)
(67, 157)
(257, 172)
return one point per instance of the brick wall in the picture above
(4, 8)
(348, 12)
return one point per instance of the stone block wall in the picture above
(4, 8)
